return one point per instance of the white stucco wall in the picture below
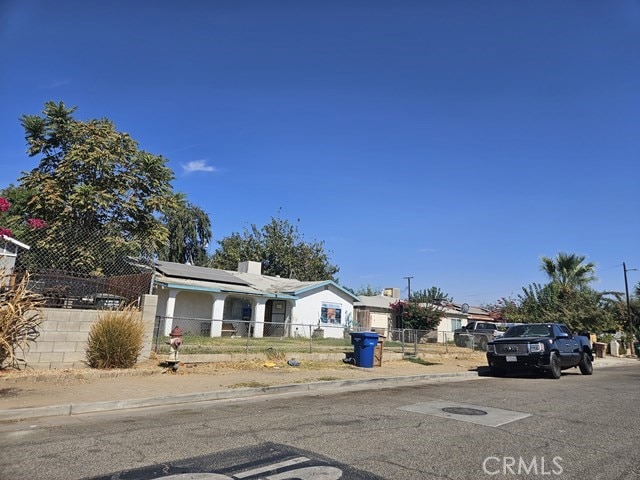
(193, 305)
(308, 310)
(163, 295)
(379, 320)
(445, 327)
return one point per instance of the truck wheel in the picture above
(457, 341)
(585, 365)
(554, 370)
(482, 344)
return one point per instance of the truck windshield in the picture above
(529, 331)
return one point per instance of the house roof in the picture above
(375, 301)
(480, 311)
(189, 277)
(383, 302)
(179, 270)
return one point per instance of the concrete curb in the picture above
(350, 384)
(98, 407)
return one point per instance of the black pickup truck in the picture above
(548, 347)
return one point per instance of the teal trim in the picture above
(194, 288)
(322, 284)
(188, 287)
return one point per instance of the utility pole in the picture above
(626, 291)
(408, 279)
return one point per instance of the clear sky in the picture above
(454, 142)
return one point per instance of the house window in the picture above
(455, 324)
(331, 313)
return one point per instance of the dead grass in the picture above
(20, 317)
(249, 385)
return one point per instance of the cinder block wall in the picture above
(63, 336)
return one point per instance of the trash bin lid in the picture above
(364, 334)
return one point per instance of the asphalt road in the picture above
(516, 427)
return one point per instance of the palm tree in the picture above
(568, 270)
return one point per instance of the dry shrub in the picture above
(20, 317)
(116, 339)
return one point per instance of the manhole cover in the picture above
(464, 411)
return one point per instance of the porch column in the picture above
(217, 315)
(169, 311)
(295, 330)
(258, 317)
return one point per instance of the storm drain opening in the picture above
(464, 411)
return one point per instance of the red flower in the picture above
(36, 223)
(4, 204)
(6, 232)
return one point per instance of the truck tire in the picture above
(585, 365)
(482, 343)
(554, 366)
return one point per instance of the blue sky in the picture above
(454, 142)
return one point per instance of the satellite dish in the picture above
(464, 308)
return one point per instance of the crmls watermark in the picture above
(522, 466)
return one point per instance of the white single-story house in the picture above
(212, 302)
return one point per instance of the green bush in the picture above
(116, 339)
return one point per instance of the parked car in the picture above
(476, 334)
(544, 347)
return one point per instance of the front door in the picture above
(274, 318)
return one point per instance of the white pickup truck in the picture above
(477, 335)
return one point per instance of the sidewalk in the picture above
(73, 392)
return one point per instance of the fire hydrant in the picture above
(174, 343)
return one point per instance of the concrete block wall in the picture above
(64, 332)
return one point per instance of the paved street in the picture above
(516, 427)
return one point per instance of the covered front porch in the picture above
(217, 314)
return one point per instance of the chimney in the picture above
(250, 267)
(391, 292)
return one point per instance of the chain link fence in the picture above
(238, 336)
(79, 268)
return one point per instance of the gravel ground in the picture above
(150, 379)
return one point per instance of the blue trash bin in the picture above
(364, 347)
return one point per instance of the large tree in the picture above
(189, 233)
(583, 310)
(280, 248)
(432, 296)
(569, 270)
(418, 316)
(93, 178)
(13, 212)
(366, 290)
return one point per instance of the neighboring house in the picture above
(453, 317)
(212, 302)
(459, 315)
(9, 248)
(374, 312)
